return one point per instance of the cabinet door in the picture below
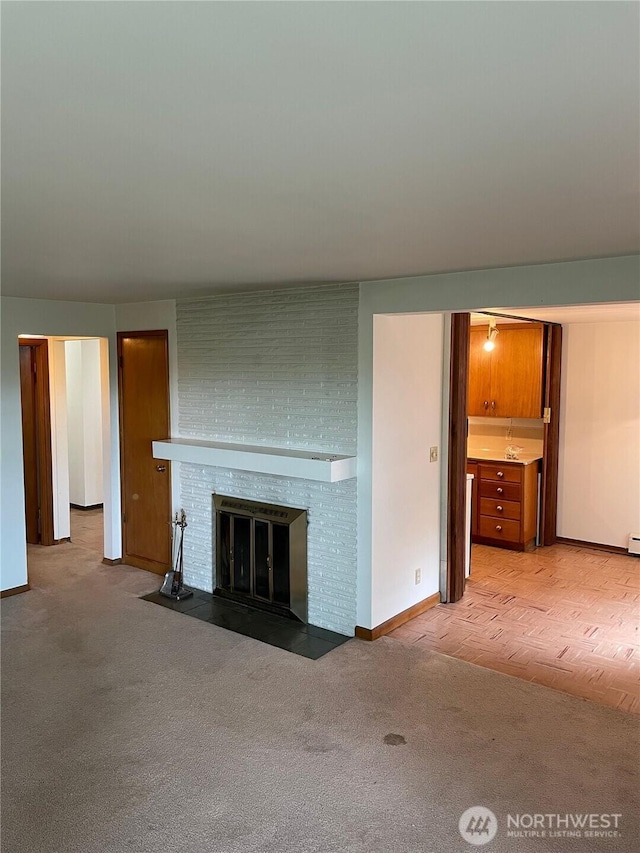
(479, 393)
(516, 373)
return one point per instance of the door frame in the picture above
(120, 336)
(551, 443)
(43, 426)
(458, 427)
(457, 462)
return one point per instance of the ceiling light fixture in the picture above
(492, 334)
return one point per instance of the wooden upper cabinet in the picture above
(516, 374)
(509, 379)
(479, 394)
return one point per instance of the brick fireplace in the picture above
(275, 368)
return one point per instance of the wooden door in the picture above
(144, 417)
(516, 372)
(30, 445)
(479, 393)
(36, 440)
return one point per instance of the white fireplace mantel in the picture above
(283, 462)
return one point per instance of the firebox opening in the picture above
(261, 555)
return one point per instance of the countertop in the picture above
(484, 454)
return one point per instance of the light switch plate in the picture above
(433, 454)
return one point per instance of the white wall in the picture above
(599, 470)
(576, 282)
(75, 420)
(84, 422)
(59, 439)
(46, 317)
(407, 418)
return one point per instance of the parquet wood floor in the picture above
(560, 616)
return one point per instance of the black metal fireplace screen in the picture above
(261, 554)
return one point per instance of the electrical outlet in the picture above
(418, 576)
(433, 454)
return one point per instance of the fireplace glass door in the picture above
(254, 558)
(261, 554)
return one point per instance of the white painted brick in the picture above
(276, 368)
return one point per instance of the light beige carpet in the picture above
(127, 727)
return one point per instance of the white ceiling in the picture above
(610, 312)
(152, 150)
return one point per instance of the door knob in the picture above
(493, 405)
(486, 404)
(161, 468)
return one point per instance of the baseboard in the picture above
(16, 590)
(596, 546)
(86, 508)
(399, 619)
(109, 562)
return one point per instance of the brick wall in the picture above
(275, 368)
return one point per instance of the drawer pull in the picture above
(498, 527)
(500, 474)
(499, 490)
(500, 508)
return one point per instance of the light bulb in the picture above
(492, 334)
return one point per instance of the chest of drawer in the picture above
(505, 504)
(502, 473)
(499, 528)
(500, 491)
(500, 509)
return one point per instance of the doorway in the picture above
(542, 345)
(51, 397)
(84, 424)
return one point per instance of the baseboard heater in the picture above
(634, 544)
